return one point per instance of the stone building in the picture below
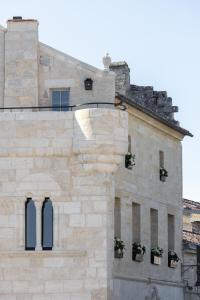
(191, 243)
(65, 192)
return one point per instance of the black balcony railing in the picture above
(119, 105)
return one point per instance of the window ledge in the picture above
(26, 253)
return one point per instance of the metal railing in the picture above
(119, 105)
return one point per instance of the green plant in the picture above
(129, 160)
(118, 244)
(172, 255)
(157, 251)
(163, 172)
(137, 248)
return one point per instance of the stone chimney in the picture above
(122, 81)
(21, 63)
(2, 32)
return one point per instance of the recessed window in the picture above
(135, 222)
(171, 237)
(117, 218)
(60, 100)
(161, 159)
(163, 172)
(30, 225)
(154, 227)
(129, 143)
(47, 225)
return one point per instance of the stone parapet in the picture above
(100, 138)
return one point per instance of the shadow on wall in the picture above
(152, 294)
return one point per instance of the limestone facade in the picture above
(191, 241)
(69, 157)
(76, 158)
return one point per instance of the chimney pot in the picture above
(17, 18)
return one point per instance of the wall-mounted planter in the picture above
(172, 264)
(137, 257)
(156, 260)
(163, 174)
(118, 253)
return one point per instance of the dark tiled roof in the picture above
(191, 205)
(170, 123)
(190, 237)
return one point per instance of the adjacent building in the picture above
(191, 243)
(76, 171)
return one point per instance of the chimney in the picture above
(21, 62)
(122, 80)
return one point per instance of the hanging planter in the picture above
(119, 247)
(163, 174)
(129, 160)
(173, 259)
(138, 252)
(156, 254)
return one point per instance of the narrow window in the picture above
(198, 266)
(117, 218)
(60, 100)
(47, 225)
(161, 158)
(30, 225)
(135, 223)
(129, 143)
(154, 227)
(171, 240)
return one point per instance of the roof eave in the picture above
(153, 115)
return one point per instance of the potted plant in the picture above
(129, 160)
(138, 252)
(163, 174)
(172, 259)
(119, 247)
(156, 254)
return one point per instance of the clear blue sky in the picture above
(160, 40)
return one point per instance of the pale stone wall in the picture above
(142, 185)
(59, 70)
(69, 156)
(1, 65)
(21, 63)
(30, 70)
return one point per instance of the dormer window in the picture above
(88, 84)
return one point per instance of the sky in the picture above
(159, 39)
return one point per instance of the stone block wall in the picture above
(21, 63)
(142, 185)
(2, 32)
(69, 157)
(58, 70)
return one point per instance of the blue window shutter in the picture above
(30, 225)
(47, 225)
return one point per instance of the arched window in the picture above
(30, 225)
(47, 225)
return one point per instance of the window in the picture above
(129, 143)
(171, 232)
(135, 223)
(154, 227)
(161, 158)
(30, 225)
(47, 225)
(60, 100)
(117, 218)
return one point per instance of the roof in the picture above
(153, 114)
(191, 205)
(190, 237)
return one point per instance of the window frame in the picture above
(60, 90)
